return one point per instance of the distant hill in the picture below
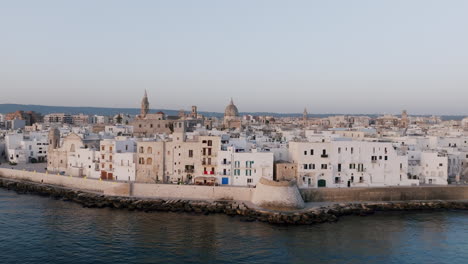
(73, 110)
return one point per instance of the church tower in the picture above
(54, 139)
(144, 106)
(404, 119)
(305, 116)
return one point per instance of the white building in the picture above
(244, 168)
(428, 167)
(349, 164)
(118, 159)
(24, 148)
(84, 162)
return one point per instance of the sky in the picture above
(269, 56)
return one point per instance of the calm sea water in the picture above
(37, 229)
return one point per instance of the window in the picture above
(305, 166)
(149, 161)
(360, 167)
(312, 152)
(312, 166)
(305, 152)
(249, 180)
(386, 157)
(190, 153)
(150, 150)
(210, 143)
(339, 150)
(142, 150)
(324, 166)
(339, 167)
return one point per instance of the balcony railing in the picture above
(324, 156)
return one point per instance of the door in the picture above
(322, 183)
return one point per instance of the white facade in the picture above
(125, 166)
(120, 152)
(84, 162)
(24, 148)
(349, 164)
(244, 168)
(428, 167)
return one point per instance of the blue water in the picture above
(36, 229)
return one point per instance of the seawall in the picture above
(236, 201)
(143, 190)
(243, 210)
(385, 194)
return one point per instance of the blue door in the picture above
(225, 180)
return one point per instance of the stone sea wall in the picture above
(277, 194)
(170, 191)
(106, 187)
(198, 192)
(385, 194)
(323, 214)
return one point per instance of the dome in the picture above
(231, 110)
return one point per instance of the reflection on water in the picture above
(41, 230)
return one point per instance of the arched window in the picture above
(149, 161)
(72, 148)
(141, 149)
(150, 150)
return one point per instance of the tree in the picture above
(119, 119)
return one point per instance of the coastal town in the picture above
(338, 151)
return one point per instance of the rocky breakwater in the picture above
(244, 210)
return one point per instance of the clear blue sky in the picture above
(279, 56)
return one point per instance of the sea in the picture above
(36, 229)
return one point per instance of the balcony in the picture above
(324, 155)
(204, 163)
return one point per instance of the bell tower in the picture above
(304, 116)
(144, 106)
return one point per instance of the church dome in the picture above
(231, 110)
